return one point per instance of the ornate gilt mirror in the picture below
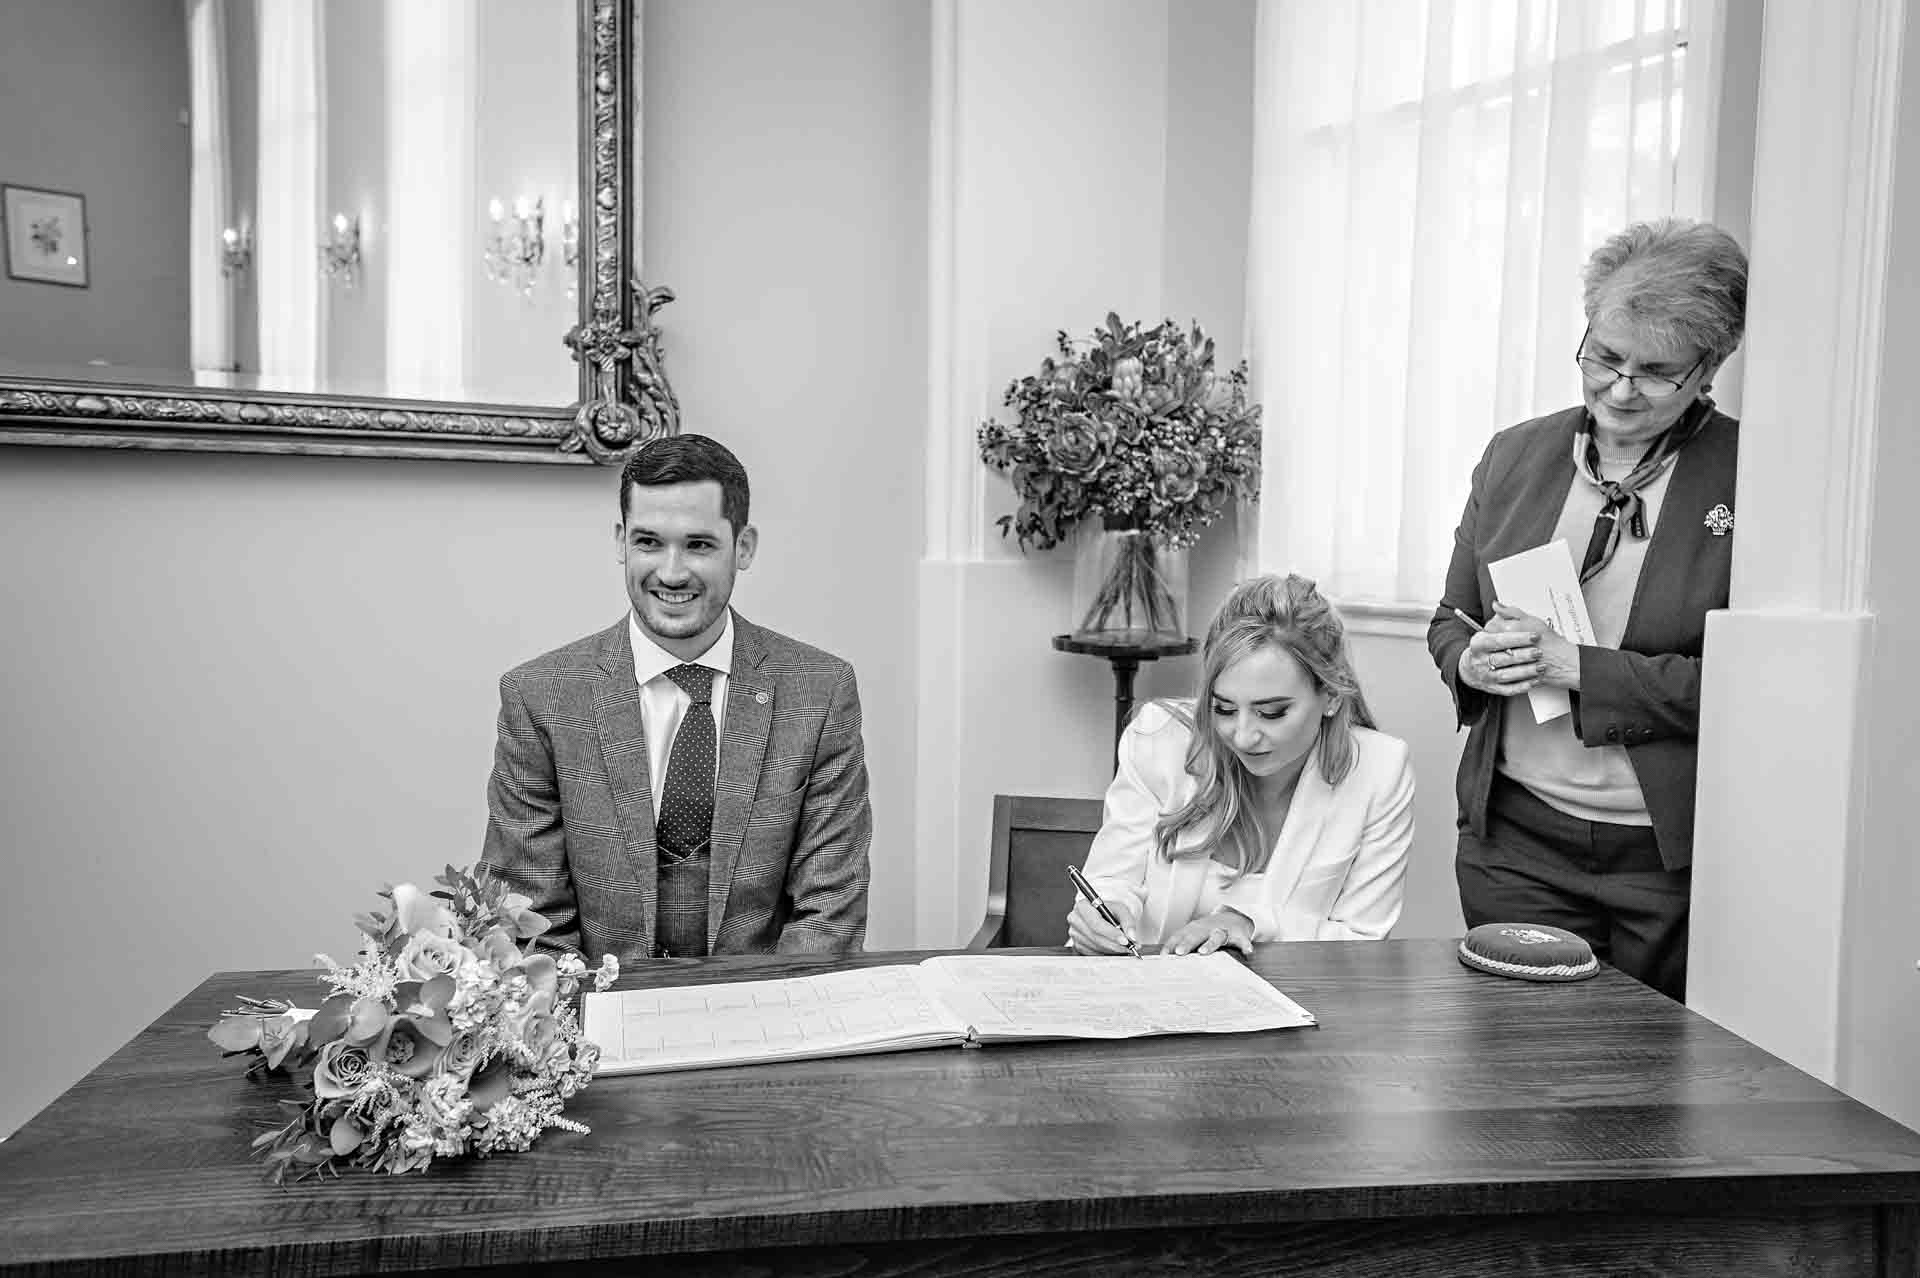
(393, 228)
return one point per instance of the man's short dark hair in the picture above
(689, 459)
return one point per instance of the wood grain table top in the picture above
(1427, 1089)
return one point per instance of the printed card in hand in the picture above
(1545, 583)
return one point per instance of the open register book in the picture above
(945, 1001)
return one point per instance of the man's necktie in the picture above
(684, 827)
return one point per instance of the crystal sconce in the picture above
(340, 251)
(569, 235)
(516, 243)
(236, 251)
(570, 247)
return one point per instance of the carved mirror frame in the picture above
(624, 398)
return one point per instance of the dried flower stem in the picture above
(1134, 587)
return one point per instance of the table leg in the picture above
(1124, 668)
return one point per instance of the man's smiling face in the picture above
(680, 556)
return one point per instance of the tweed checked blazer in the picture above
(1644, 695)
(570, 804)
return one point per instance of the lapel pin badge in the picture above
(1719, 520)
(760, 697)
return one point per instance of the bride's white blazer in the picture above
(1338, 869)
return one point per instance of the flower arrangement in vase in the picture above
(449, 1036)
(1135, 427)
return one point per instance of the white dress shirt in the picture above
(664, 703)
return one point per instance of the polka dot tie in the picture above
(685, 823)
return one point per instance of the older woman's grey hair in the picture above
(1682, 284)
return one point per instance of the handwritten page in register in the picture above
(1545, 582)
(1078, 996)
(872, 1009)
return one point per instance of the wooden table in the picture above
(1439, 1121)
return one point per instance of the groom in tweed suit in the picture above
(684, 782)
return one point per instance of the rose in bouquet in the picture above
(449, 1036)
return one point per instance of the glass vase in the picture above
(1128, 588)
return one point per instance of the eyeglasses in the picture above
(1648, 385)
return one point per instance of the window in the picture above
(1429, 178)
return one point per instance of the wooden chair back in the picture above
(1029, 894)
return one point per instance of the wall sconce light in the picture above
(517, 242)
(236, 250)
(570, 246)
(569, 234)
(340, 251)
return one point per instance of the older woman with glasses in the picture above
(1585, 821)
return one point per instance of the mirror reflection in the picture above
(343, 197)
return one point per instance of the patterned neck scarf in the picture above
(1620, 499)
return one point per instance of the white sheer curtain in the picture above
(1429, 178)
(210, 204)
(431, 254)
(287, 204)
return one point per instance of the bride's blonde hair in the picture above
(1287, 614)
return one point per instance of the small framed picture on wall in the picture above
(46, 235)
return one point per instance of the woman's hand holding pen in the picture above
(1502, 658)
(1557, 663)
(1221, 930)
(1088, 933)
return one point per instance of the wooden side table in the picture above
(1125, 657)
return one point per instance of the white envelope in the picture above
(1545, 582)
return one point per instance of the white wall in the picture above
(354, 179)
(246, 691)
(243, 160)
(1805, 886)
(786, 202)
(1880, 1004)
(527, 147)
(105, 125)
(505, 347)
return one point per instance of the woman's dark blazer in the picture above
(1645, 695)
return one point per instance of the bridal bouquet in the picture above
(448, 1036)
